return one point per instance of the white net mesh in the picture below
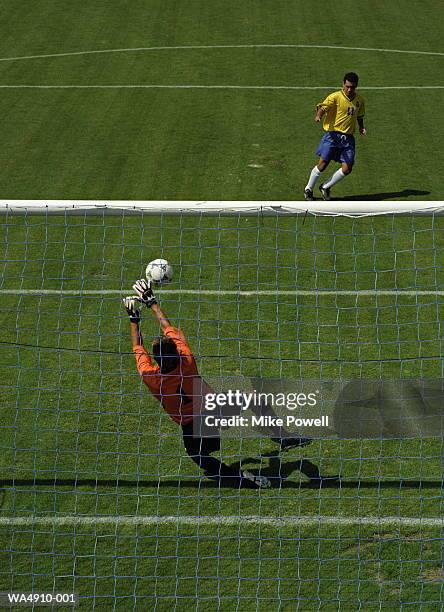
(99, 496)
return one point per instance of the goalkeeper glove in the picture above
(144, 292)
(131, 306)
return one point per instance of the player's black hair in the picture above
(352, 77)
(165, 353)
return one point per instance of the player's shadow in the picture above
(278, 471)
(388, 195)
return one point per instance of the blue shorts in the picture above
(337, 147)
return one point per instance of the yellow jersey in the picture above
(341, 113)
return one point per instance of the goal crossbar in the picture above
(216, 207)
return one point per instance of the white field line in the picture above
(222, 521)
(223, 292)
(245, 87)
(209, 47)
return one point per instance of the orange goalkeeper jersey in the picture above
(175, 389)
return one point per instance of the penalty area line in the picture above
(209, 47)
(221, 521)
(236, 87)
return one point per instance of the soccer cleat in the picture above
(308, 195)
(287, 443)
(325, 192)
(261, 482)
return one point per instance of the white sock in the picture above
(315, 174)
(335, 178)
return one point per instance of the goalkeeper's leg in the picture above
(277, 434)
(200, 449)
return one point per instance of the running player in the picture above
(341, 111)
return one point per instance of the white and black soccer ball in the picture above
(159, 271)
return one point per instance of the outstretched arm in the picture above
(131, 305)
(136, 335)
(146, 295)
(161, 316)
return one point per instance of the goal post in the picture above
(100, 497)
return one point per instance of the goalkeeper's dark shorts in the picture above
(200, 449)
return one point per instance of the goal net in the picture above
(99, 496)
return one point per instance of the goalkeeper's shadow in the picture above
(278, 472)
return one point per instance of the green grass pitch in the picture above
(79, 434)
(215, 144)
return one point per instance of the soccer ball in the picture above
(159, 271)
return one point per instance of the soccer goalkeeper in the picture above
(170, 379)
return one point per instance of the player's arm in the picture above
(144, 290)
(320, 112)
(136, 335)
(161, 316)
(362, 129)
(324, 106)
(360, 119)
(144, 363)
(145, 294)
(131, 304)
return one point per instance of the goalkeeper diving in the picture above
(170, 373)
